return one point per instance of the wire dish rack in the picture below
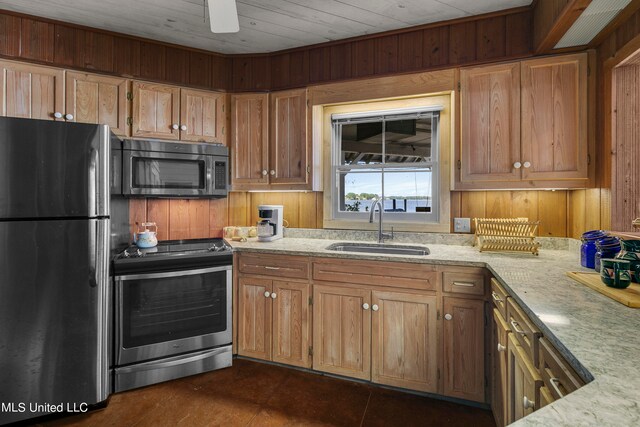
(506, 235)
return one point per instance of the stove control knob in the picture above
(125, 254)
(139, 253)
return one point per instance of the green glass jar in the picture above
(631, 252)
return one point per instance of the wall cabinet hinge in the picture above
(308, 169)
(588, 159)
(307, 102)
(459, 87)
(223, 108)
(310, 300)
(459, 164)
(588, 71)
(129, 121)
(129, 96)
(486, 382)
(438, 315)
(223, 130)
(438, 373)
(310, 351)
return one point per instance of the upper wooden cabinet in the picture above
(202, 116)
(270, 148)
(490, 119)
(171, 112)
(288, 138)
(156, 111)
(249, 141)
(524, 124)
(554, 113)
(92, 98)
(31, 91)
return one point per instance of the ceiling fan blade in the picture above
(223, 16)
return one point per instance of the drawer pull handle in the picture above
(528, 404)
(365, 306)
(496, 297)
(267, 267)
(516, 328)
(464, 284)
(267, 294)
(501, 347)
(555, 382)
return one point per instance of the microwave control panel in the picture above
(220, 182)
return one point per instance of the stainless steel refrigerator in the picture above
(54, 255)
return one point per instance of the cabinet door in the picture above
(288, 142)
(404, 340)
(554, 118)
(31, 91)
(490, 120)
(499, 365)
(545, 397)
(156, 111)
(464, 348)
(98, 99)
(249, 140)
(342, 331)
(523, 383)
(254, 317)
(202, 116)
(291, 323)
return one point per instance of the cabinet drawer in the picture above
(395, 274)
(274, 265)
(524, 331)
(499, 297)
(463, 282)
(556, 373)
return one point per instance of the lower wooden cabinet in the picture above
(545, 397)
(404, 340)
(463, 334)
(499, 367)
(524, 383)
(273, 320)
(342, 331)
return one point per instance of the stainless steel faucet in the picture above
(379, 201)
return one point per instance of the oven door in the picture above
(169, 313)
(150, 173)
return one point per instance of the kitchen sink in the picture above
(374, 248)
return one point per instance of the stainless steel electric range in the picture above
(172, 311)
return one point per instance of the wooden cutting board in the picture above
(629, 296)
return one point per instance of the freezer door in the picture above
(53, 169)
(53, 314)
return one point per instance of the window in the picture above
(391, 155)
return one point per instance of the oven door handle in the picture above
(179, 273)
(174, 361)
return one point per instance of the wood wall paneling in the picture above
(319, 64)
(99, 52)
(280, 71)
(69, 46)
(158, 212)
(241, 75)
(221, 68)
(364, 53)
(126, 57)
(462, 43)
(199, 69)
(435, 47)
(491, 38)
(261, 73)
(178, 65)
(152, 61)
(552, 19)
(299, 68)
(386, 54)
(340, 61)
(9, 35)
(518, 34)
(410, 51)
(37, 39)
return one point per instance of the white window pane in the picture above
(358, 189)
(409, 191)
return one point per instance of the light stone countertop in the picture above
(599, 337)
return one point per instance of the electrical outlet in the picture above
(462, 225)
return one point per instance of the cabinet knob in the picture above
(365, 306)
(183, 127)
(517, 165)
(528, 404)
(68, 116)
(273, 295)
(272, 172)
(448, 316)
(174, 126)
(375, 307)
(57, 115)
(267, 294)
(501, 347)
(527, 164)
(264, 172)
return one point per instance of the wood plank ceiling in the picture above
(265, 25)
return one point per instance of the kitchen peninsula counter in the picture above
(597, 335)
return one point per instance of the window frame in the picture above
(433, 165)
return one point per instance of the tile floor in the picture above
(257, 394)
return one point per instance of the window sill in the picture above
(442, 227)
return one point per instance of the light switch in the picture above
(462, 225)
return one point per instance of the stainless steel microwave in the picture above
(152, 168)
